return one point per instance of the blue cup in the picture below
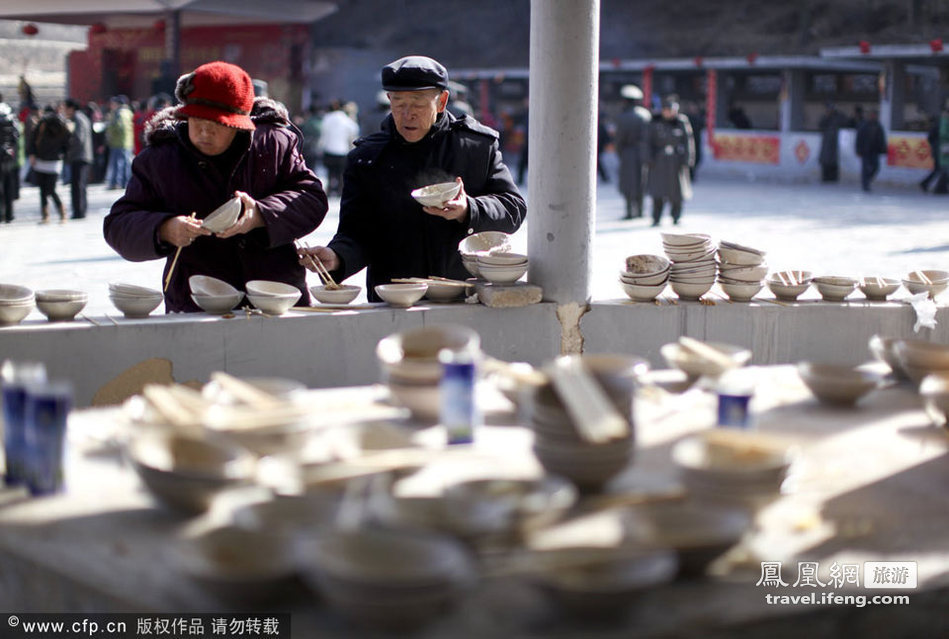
(16, 377)
(47, 409)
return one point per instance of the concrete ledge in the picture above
(338, 349)
(320, 350)
(776, 334)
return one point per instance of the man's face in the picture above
(415, 112)
(210, 137)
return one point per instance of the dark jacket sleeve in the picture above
(131, 227)
(299, 203)
(500, 206)
(354, 234)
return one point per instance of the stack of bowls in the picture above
(273, 298)
(60, 305)
(835, 288)
(645, 276)
(932, 282)
(185, 472)
(732, 467)
(558, 445)
(479, 243)
(16, 302)
(410, 366)
(502, 268)
(214, 296)
(387, 579)
(741, 271)
(693, 263)
(134, 301)
(787, 285)
(919, 358)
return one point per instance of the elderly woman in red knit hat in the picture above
(218, 143)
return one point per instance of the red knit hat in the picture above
(217, 91)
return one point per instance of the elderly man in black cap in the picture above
(670, 152)
(631, 128)
(381, 227)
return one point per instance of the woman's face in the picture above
(210, 137)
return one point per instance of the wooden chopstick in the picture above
(175, 260)
(321, 271)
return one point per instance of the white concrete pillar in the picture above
(564, 60)
(792, 100)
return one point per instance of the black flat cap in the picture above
(414, 73)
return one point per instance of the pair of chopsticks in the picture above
(922, 278)
(321, 271)
(175, 260)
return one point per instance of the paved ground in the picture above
(829, 229)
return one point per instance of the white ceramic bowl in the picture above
(217, 304)
(834, 384)
(265, 287)
(743, 273)
(401, 295)
(502, 274)
(786, 290)
(345, 294)
(694, 365)
(236, 563)
(740, 292)
(274, 304)
(185, 473)
(470, 262)
(645, 280)
(642, 265)
(689, 291)
(915, 284)
(224, 216)
(13, 293)
(412, 355)
(436, 194)
(642, 292)
(485, 241)
(135, 306)
(15, 312)
(878, 288)
(132, 290)
(835, 289)
(502, 259)
(59, 304)
(739, 256)
(684, 239)
(445, 291)
(207, 285)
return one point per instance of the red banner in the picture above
(909, 152)
(759, 149)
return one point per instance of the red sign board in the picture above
(909, 152)
(758, 149)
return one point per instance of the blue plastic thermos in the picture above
(459, 411)
(16, 376)
(47, 409)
